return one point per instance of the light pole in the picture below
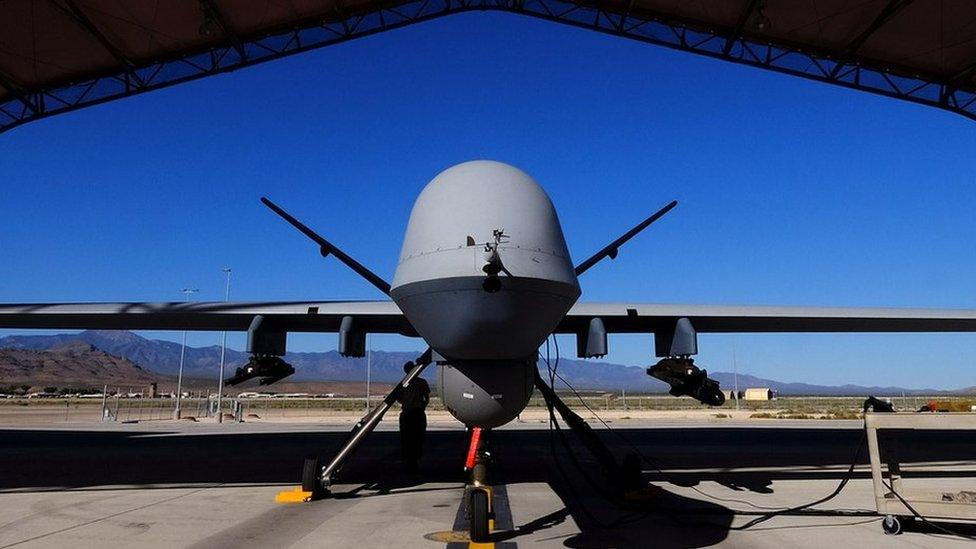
(369, 357)
(735, 377)
(223, 350)
(179, 376)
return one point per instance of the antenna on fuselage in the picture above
(493, 262)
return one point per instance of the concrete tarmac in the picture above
(167, 484)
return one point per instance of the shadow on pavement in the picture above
(38, 460)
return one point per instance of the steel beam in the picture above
(962, 75)
(649, 27)
(212, 11)
(741, 24)
(14, 90)
(887, 13)
(75, 13)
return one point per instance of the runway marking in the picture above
(461, 524)
(503, 512)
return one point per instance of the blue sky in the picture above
(791, 192)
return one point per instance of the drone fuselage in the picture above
(484, 277)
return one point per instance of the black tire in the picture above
(479, 516)
(310, 476)
(891, 525)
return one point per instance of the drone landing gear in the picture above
(317, 480)
(625, 482)
(478, 494)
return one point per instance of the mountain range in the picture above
(73, 363)
(163, 357)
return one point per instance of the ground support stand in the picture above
(317, 480)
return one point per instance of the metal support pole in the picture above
(369, 357)
(875, 455)
(179, 380)
(369, 422)
(735, 377)
(223, 351)
(104, 401)
(179, 377)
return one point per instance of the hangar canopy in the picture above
(60, 55)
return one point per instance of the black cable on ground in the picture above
(552, 445)
(554, 423)
(771, 513)
(789, 510)
(923, 519)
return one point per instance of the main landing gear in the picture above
(625, 482)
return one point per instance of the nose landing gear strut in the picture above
(478, 493)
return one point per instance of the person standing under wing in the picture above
(413, 401)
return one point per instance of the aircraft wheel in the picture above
(891, 525)
(479, 516)
(310, 476)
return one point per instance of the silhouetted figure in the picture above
(413, 400)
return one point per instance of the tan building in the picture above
(759, 393)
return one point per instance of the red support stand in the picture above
(473, 449)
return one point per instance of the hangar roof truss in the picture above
(61, 55)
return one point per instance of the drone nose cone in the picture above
(480, 194)
(484, 238)
(483, 171)
(462, 208)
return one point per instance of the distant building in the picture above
(758, 393)
(730, 394)
(252, 394)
